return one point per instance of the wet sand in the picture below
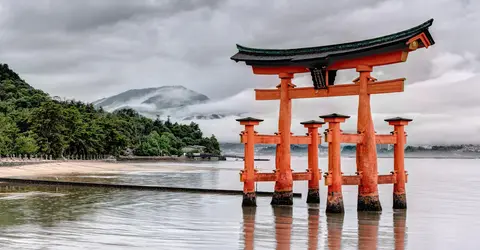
(84, 167)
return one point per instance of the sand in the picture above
(84, 167)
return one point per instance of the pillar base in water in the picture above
(249, 200)
(335, 203)
(399, 201)
(369, 203)
(313, 196)
(282, 198)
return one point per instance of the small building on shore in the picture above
(193, 149)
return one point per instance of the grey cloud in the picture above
(85, 15)
(89, 49)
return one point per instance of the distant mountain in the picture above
(203, 117)
(151, 99)
(178, 102)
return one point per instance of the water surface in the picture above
(443, 213)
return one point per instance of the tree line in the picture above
(34, 123)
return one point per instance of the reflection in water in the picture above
(399, 229)
(203, 179)
(313, 223)
(248, 226)
(368, 230)
(334, 228)
(45, 206)
(283, 226)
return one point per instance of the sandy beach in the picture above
(84, 167)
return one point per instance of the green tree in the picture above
(48, 123)
(8, 130)
(26, 144)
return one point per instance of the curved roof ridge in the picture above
(341, 46)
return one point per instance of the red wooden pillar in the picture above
(335, 196)
(283, 194)
(399, 194)
(249, 197)
(366, 154)
(313, 184)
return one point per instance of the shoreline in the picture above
(83, 167)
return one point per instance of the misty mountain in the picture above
(174, 101)
(164, 97)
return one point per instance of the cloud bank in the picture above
(89, 49)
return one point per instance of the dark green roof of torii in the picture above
(323, 55)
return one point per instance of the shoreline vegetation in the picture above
(34, 124)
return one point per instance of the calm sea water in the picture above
(443, 198)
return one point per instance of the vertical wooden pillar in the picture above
(249, 197)
(366, 154)
(399, 194)
(334, 196)
(283, 194)
(313, 184)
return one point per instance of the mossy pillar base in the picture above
(335, 203)
(399, 201)
(369, 203)
(249, 200)
(313, 196)
(282, 198)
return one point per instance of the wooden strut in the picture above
(381, 87)
(313, 139)
(275, 139)
(397, 138)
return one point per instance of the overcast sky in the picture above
(89, 49)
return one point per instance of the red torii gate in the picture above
(322, 63)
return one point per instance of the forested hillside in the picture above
(34, 123)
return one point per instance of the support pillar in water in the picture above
(313, 184)
(366, 154)
(249, 196)
(399, 193)
(283, 194)
(334, 196)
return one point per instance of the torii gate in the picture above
(322, 63)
